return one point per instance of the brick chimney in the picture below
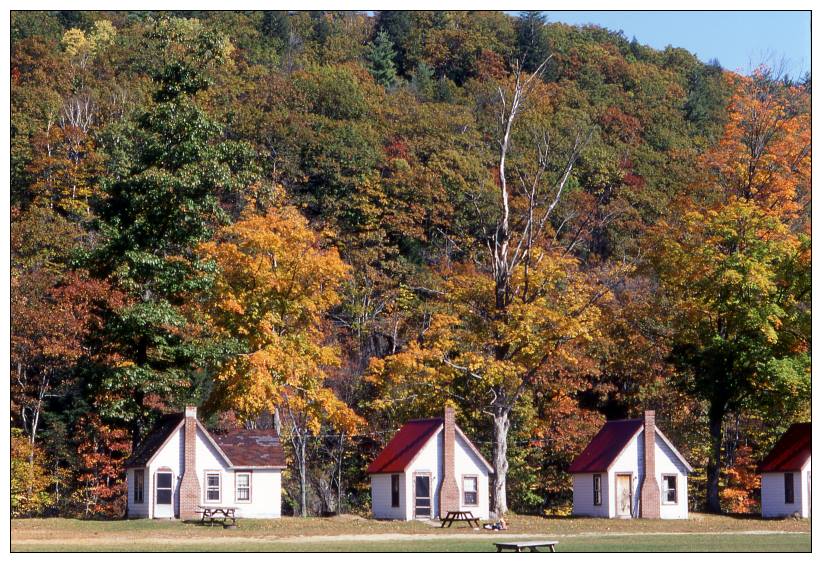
(449, 490)
(649, 494)
(189, 484)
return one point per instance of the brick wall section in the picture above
(189, 484)
(449, 490)
(649, 495)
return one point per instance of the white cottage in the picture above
(429, 468)
(786, 475)
(631, 470)
(181, 465)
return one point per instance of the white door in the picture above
(164, 494)
(623, 496)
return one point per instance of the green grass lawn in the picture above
(350, 533)
(616, 543)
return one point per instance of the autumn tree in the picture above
(734, 263)
(275, 283)
(514, 314)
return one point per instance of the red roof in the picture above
(791, 451)
(404, 446)
(606, 446)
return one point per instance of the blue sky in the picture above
(740, 40)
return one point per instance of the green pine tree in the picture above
(380, 57)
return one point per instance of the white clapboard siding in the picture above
(266, 483)
(631, 461)
(429, 459)
(773, 494)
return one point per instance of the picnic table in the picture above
(460, 516)
(520, 546)
(220, 514)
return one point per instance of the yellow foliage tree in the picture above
(276, 281)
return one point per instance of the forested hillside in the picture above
(335, 222)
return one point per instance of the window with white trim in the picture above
(212, 488)
(469, 490)
(597, 489)
(669, 489)
(139, 485)
(243, 487)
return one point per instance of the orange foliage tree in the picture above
(734, 265)
(102, 451)
(275, 283)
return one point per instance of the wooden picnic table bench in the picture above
(220, 514)
(520, 546)
(460, 516)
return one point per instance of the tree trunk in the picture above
(339, 473)
(715, 419)
(302, 470)
(499, 499)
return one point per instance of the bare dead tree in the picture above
(513, 244)
(78, 111)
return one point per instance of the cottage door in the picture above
(422, 496)
(163, 495)
(623, 496)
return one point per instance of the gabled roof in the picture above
(238, 448)
(606, 446)
(404, 446)
(609, 442)
(407, 443)
(157, 436)
(251, 448)
(791, 451)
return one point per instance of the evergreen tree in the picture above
(275, 25)
(380, 58)
(532, 45)
(398, 25)
(422, 81)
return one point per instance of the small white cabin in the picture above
(181, 466)
(610, 474)
(786, 475)
(430, 467)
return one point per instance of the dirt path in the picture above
(123, 538)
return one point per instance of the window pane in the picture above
(788, 488)
(422, 486)
(163, 496)
(213, 494)
(164, 480)
(470, 498)
(469, 485)
(242, 494)
(213, 480)
(395, 490)
(242, 480)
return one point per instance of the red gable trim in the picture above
(791, 451)
(404, 446)
(606, 446)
